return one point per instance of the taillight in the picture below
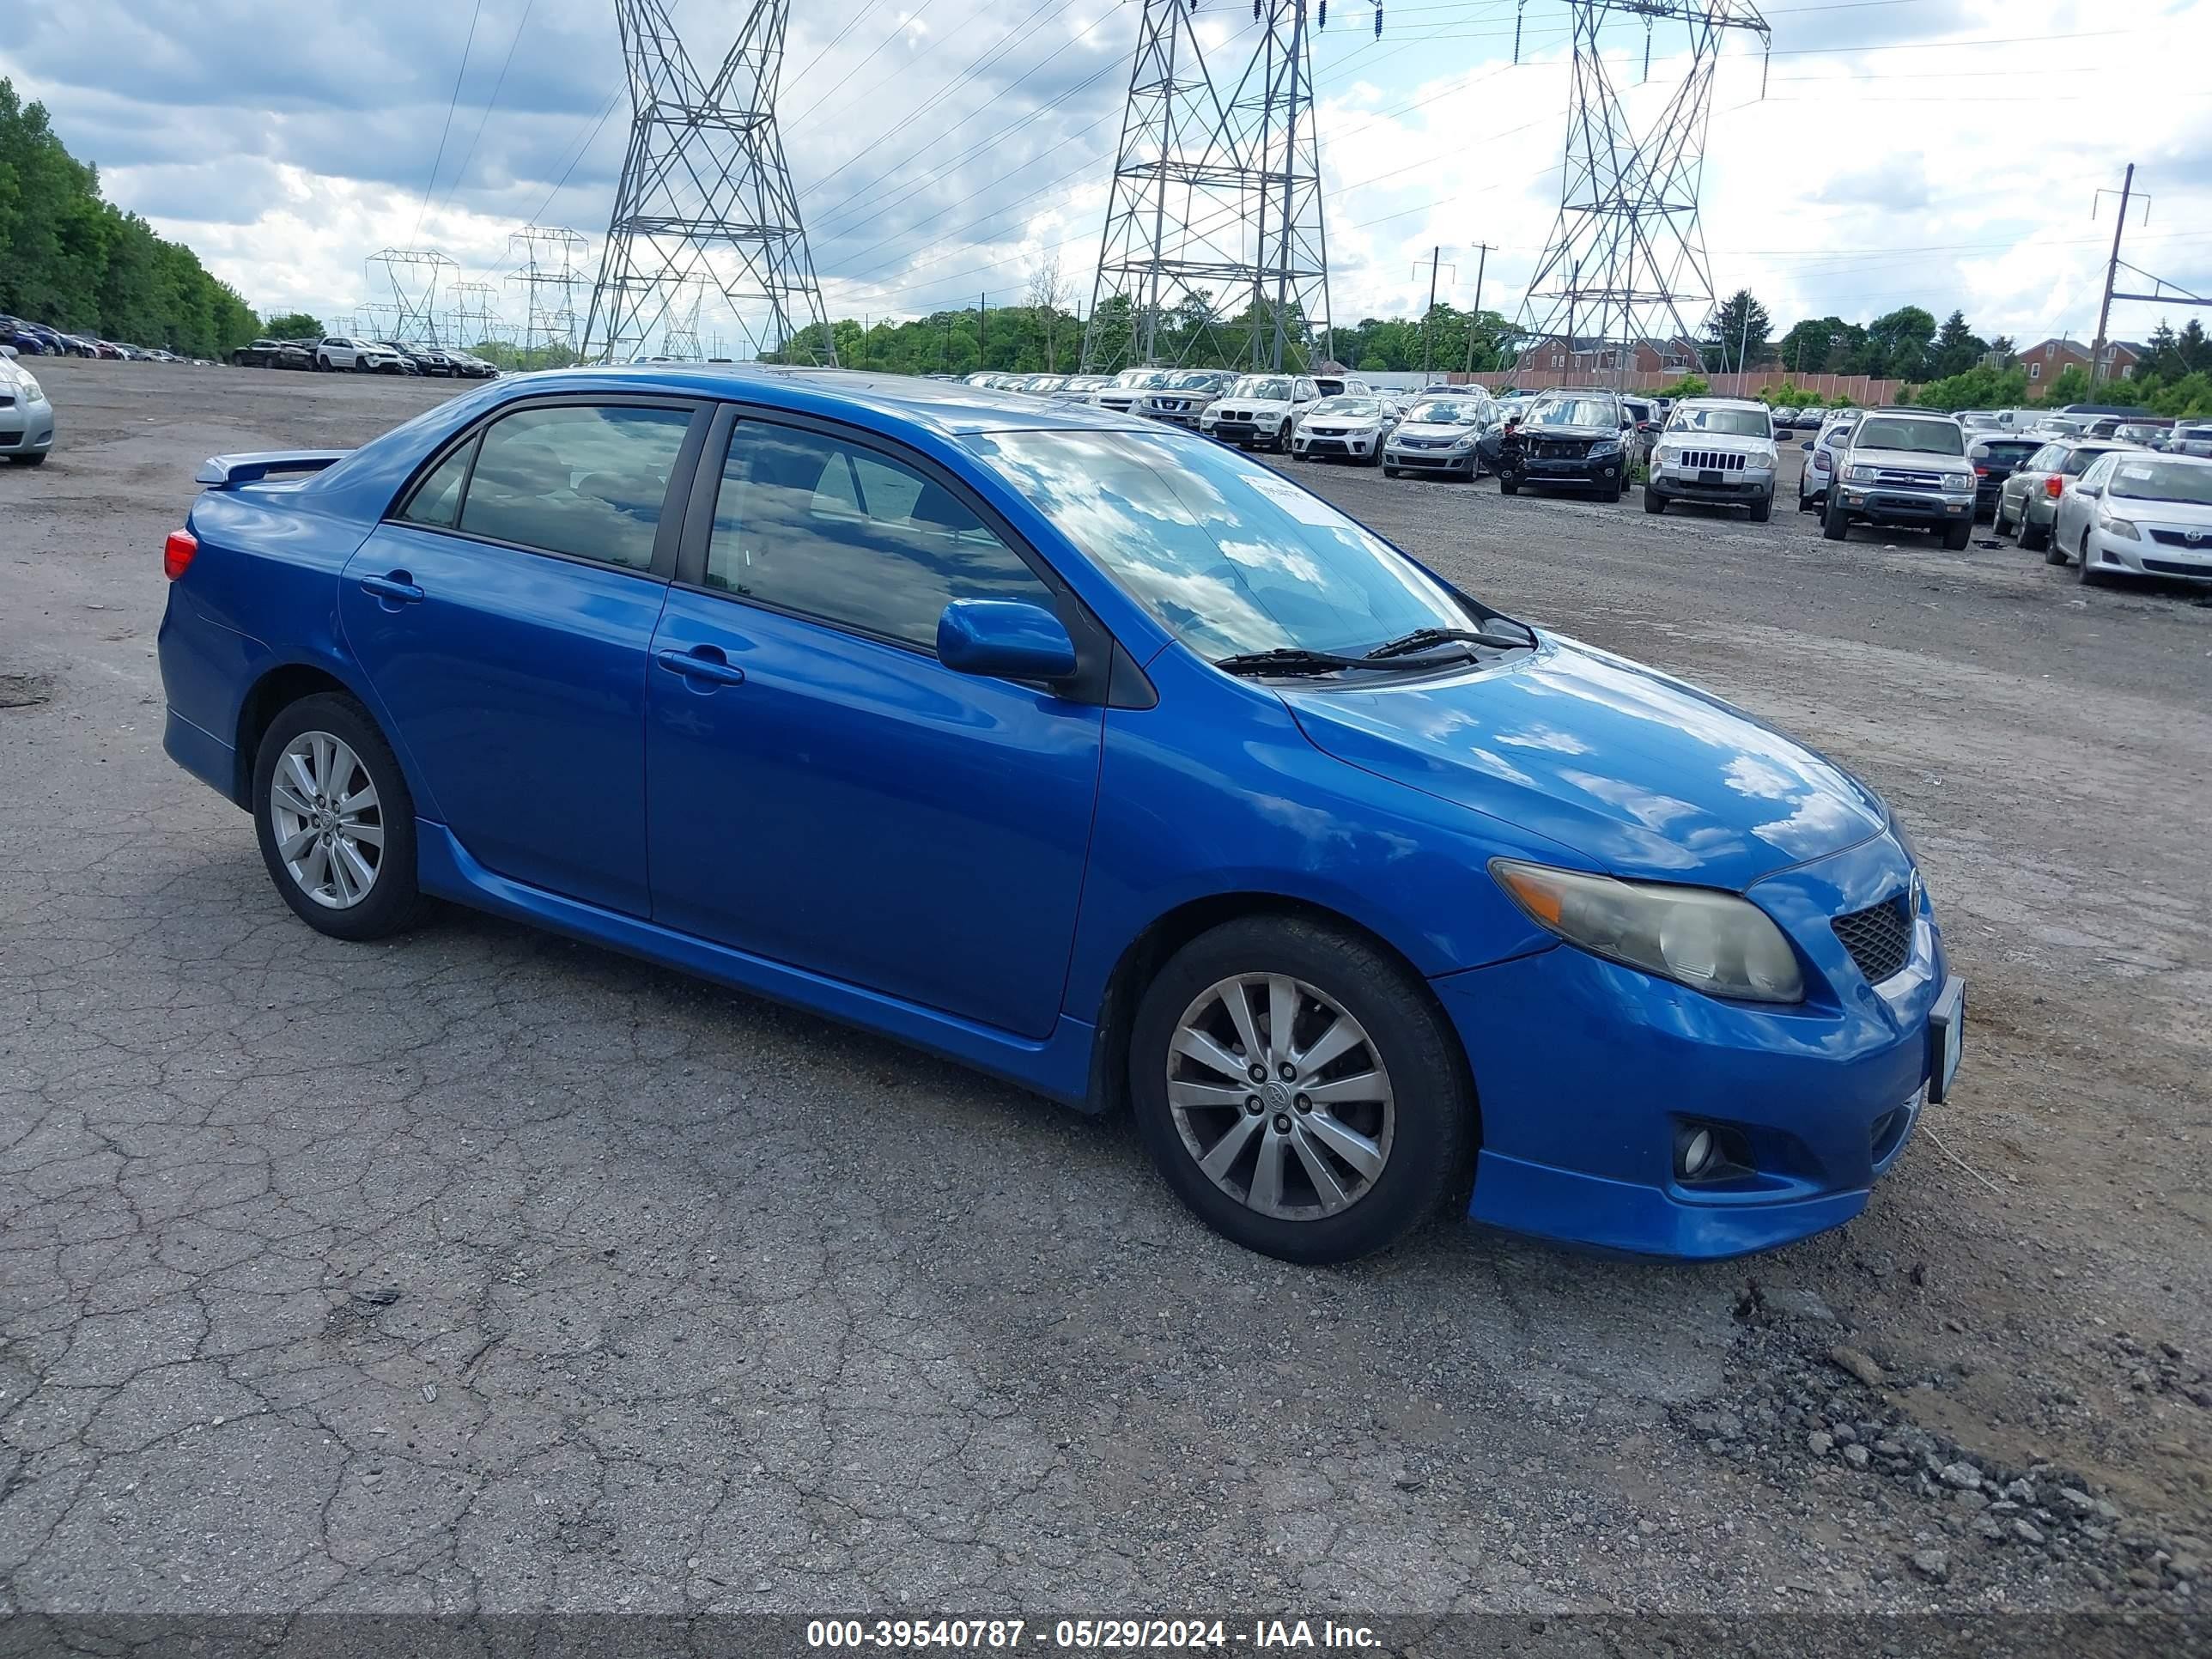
(2054, 486)
(1981, 472)
(177, 553)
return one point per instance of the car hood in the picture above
(1643, 775)
(1910, 460)
(1437, 429)
(2185, 515)
(1728, 443)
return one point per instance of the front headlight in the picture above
(1710, 941)
(2123, 528)
(1958, 483)
(1862, 474)
(33, 391)
(1606, 447)
(1465, 443)
(1667, 454)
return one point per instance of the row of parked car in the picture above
(343, 353)
(2115, 492)
(20, 337)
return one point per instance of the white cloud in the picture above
(947, 148)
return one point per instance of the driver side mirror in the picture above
(1004, 639)
(2089, 489)
(1806, 448)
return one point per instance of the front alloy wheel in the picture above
(1300, 1089)
(1281, 1096)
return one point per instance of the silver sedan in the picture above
(2134, 513)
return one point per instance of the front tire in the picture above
(1283, 438)
(1387, 1131)
(2086, 572)
(38, 459)
(335, 820)
(1957, 536)
(1653, 501)
(1390, 471)
(1835, 523)
(1508, 486)
(2000, 526)
(1762, 510)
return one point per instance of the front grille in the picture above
(1328, 431)
(1879, 937)
(1899, 478)
(1561, 452)
(1425, 443)
(1711, 460)
(2198, 538)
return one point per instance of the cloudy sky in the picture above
(1937, 152)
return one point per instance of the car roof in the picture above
(1723, 402)
(951, 408)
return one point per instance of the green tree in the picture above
(1737, 335)
(2069, 385)
(293, 325)
(1898, 345)
(1804, 349)
(1957, 348)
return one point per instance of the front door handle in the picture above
(698, 665)
(396, 588)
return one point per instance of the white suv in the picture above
(1261, 408)
(1718, 452)
(342, 351)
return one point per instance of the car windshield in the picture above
(1197, 380)
(2159, 480)
(1912, 436)
(1138, 377)
(1456, 411)
(2141, 434)
(1227, 556)
(1266, 387)
(1346, 406)
(1574, 411)
(1728, 422)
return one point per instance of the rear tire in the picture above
(377, 828)
(1398, 1141)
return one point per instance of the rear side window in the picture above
(436, 501)
(2046, 460)
(809, 523)
(588, 481)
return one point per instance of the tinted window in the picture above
(437, 499)
(2006, 451)
(2080, 460)
(584, 481)
(812, 524)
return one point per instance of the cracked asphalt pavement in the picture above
(480, 1271)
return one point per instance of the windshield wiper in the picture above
(1289, 660)
(1423, 639)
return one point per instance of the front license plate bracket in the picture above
(1947, 1037)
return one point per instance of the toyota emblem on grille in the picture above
(2195, 537)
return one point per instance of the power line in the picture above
(461, 172)
(459, 75)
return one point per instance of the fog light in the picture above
(1694, 1152)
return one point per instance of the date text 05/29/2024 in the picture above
(1087, 1635)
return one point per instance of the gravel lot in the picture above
(482, 1271)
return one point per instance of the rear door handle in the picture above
(395, 587)
(698, 667)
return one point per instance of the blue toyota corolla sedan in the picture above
(1093, 755)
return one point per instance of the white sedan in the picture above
(2135, 513)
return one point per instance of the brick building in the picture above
(1556, 354)
(2046, 361)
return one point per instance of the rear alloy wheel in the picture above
(1299, 1090)
(335, 820)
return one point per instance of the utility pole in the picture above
(1429, 317)
(1481, 264)
(2111, 279)
(983, 318)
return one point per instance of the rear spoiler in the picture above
(222, 471)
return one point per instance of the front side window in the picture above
(1912, 436)
(813, 523)
(586, 481)
(1226, 554)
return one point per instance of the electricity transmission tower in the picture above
(1213, 249)
(412, 277)
(550, 277)
(472, 318)
(1626, 261)
(705, 193)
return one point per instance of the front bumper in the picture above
(1744, 489)
(1601, 472)
(2148, 556)
(1351, 446)
(1878, 505)
(1430, 460)
(27, 429)
(1585, 1070)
